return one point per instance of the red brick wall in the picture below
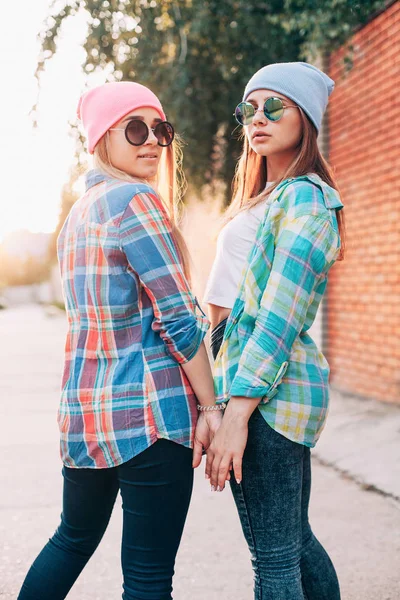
(363, 315)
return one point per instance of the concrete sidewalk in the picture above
(362, 440)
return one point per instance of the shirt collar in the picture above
(93, 177)
(331, 196)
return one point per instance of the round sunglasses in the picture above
(273, 110)
(137, 132)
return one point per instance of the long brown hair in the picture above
(170, 184)
(251, 175)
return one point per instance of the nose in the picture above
(259, 117)
(152, 138)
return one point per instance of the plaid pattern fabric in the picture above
(266, 351)
(132, 322)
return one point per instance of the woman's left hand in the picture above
(207, 425)
(227, 449)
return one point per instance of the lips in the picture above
(260, 135)
(148, 156)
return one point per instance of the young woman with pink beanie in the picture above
(135, 363)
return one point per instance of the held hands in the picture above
(224, 439)
(207, 426)
(227, 448)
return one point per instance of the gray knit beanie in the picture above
(306, 85)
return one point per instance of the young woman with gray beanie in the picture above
(284, 232)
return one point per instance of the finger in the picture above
(237, 468)
(223, 472)
(197, 453)
(214, 472)
(209, 460)
(205, 441)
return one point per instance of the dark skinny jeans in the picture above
(288, 561)
(156, 487)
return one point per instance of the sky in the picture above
(35, 163)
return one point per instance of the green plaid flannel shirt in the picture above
(266, 351)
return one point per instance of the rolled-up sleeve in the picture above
(147, 241)
(305, 249)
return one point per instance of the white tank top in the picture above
(234, 243)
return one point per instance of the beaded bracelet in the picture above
(221, 406)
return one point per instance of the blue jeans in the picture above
(288, 561)
(156, 487)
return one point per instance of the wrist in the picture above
(241, 408)
(213, 414)
(208, 408)
(207, 399)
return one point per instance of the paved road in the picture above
(360, 529)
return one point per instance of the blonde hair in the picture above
(251, 175)
(170, 183)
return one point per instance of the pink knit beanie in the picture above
(101, 107)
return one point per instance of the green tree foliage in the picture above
(197, 55)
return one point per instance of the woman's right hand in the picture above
(207, 425)
(214, 420)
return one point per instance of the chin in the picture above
(149, 175)
(263, 152)
(144, 174)
(262, 149)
